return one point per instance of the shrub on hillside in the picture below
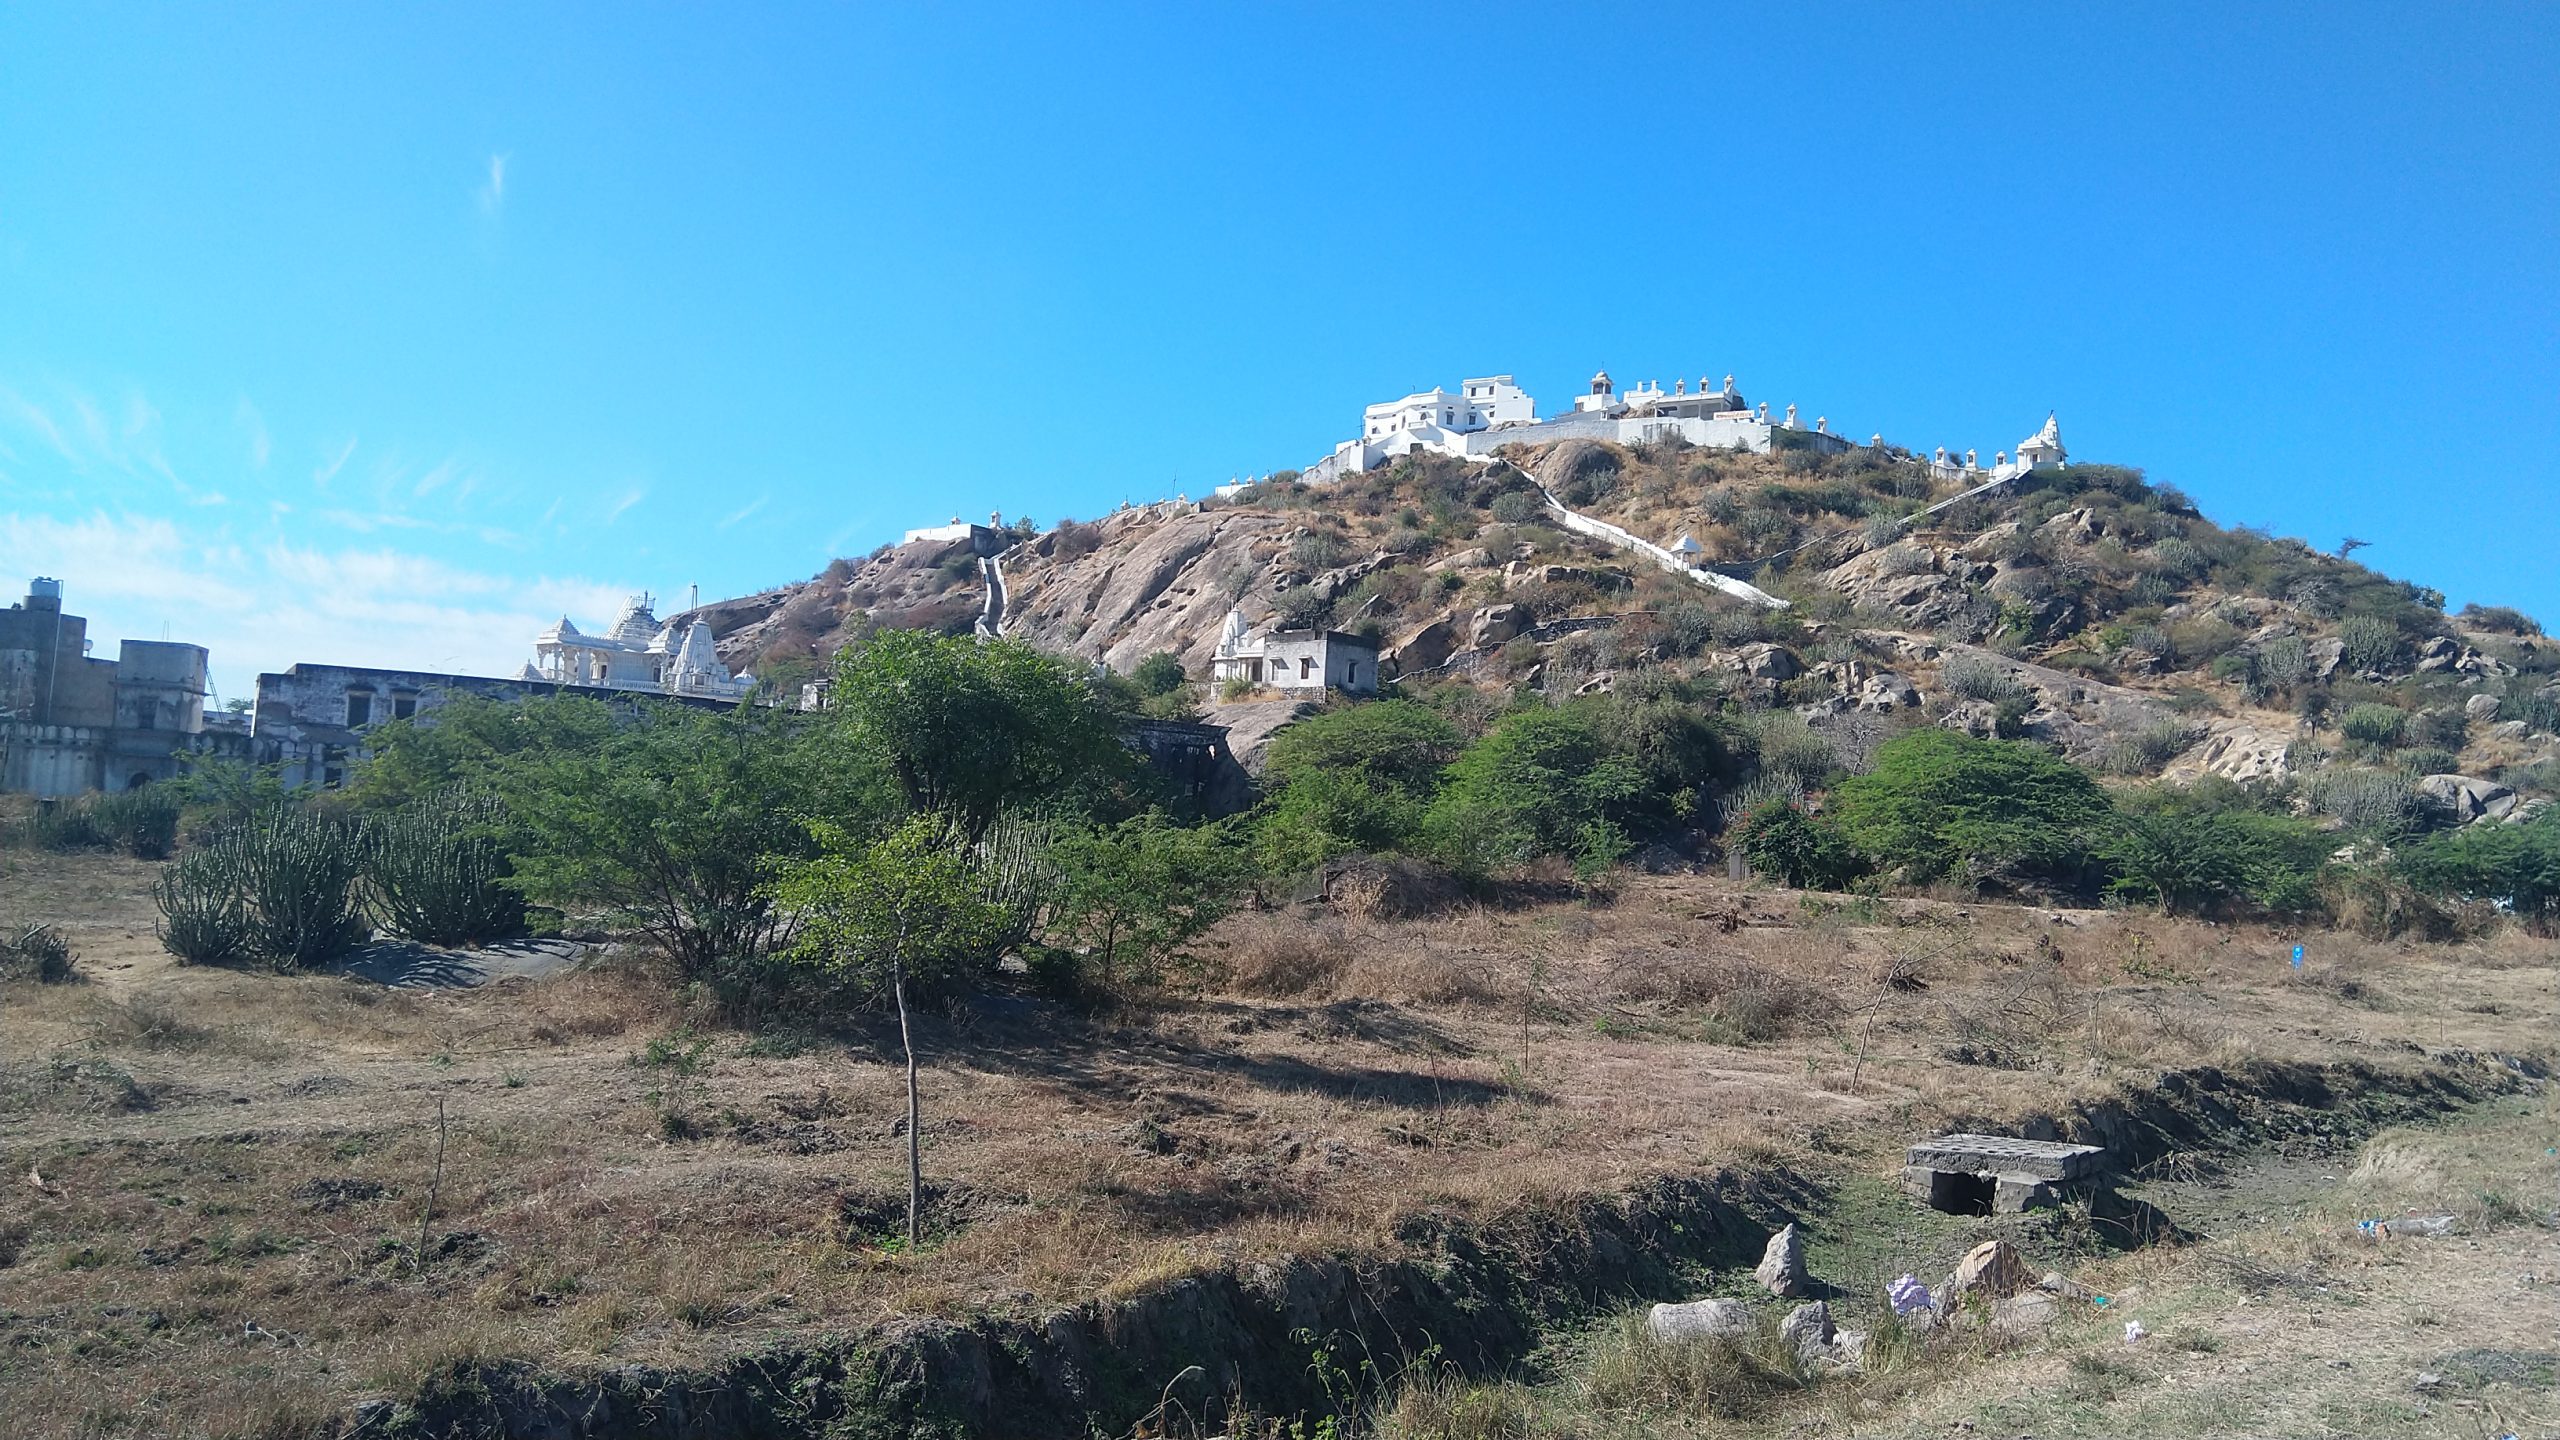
(1517, 507)
(1317, 550)
(2207, 850)
(1977, 678)
(1796, 849)
(1300, 608)
(2516, 866)
(2502, 619)
(2380, 726)
(1939, 805)
(2371, 644)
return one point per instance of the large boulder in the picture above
(1763, 661)
(2238, 752)
(1420, 648)
(1496, 623)
(2467, 799)
(1475, 557)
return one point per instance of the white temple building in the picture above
(1489, 412)
(638, 653)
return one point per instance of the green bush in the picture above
(1976, 678)
(1318, 550)
(2371, 644)
(1799, 850)
(438, 871)
(2206, 850)
(143, 823)
(2374, 724)
(1939, 805)
(61, 826)
(1518, 507)
(1300, 608)
(299, 878)
(284, 891)
(1158, 674)
(2515, 866)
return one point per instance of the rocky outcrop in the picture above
(1420, 648)
(2466, 799)
(1495, 624)
(2237, 751)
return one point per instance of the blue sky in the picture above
(376, 334)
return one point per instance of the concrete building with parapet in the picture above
(71, 722)
(1310, 663)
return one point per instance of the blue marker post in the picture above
(2297, 957)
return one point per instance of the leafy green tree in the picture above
(1352, 779)
(673, 818)
(1159, 674)
(2517, 866)
(1530, 787)
(1801, 850)
(465, 740)
(911, 907)
(1940, 805)
(1386, 742)
(1134, 893)
(968, 727)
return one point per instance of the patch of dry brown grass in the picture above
(224, 1149)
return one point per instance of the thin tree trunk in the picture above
(915, 1151)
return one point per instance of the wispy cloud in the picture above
(492, 194)
(630, 498)
(330, 465)
(751, 507)
(263, 607)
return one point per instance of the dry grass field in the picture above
(218, 1182)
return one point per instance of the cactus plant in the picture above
(204, 911)
(438, 871)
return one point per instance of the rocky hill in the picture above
(2086, 608)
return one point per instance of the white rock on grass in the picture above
(1698, 1320)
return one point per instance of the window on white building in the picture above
(359, 708)
(1306, 668)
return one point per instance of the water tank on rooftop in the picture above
(44, 593)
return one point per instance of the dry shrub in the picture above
(1285, 955)
(1756, 1002)
(1726, 1377)
(1370, 887)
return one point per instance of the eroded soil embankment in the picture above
(1481, 1293)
